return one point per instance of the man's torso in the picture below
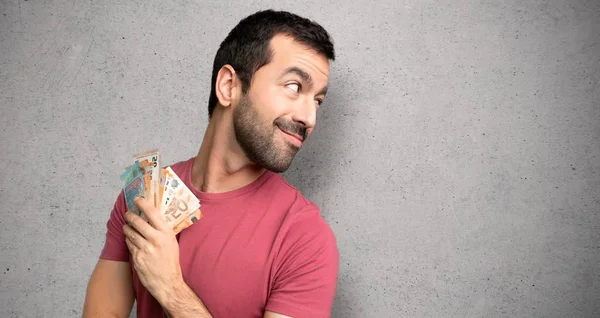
(230, 257)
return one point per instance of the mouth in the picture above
(294, 138)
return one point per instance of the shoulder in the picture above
(309, 227)
(306, 265)
(304, 222)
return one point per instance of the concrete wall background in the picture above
(457, 158)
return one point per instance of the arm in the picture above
(110, 290)
(155, 257)
(184, 303)
(306, 269)
(270, 314)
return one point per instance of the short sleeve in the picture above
(306, 269)
(115, 248)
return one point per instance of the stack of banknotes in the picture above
(145, 178)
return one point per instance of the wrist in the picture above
(171, 293)
(179, 300)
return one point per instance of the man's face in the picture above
(279, 112)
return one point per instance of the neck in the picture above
(221, 164)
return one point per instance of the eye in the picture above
(319, 102)
(294, 86)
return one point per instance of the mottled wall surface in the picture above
(457, 157)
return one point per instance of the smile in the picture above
(294, 138)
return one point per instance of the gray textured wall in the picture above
(457, 158)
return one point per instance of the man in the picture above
(262, 249)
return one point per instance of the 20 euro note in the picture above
(150, 164)
(132, 181)
(191, 219)
(178, 201)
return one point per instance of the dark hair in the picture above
(246, 48)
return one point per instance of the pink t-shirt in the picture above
(263, 247)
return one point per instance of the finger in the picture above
(132, 248)
(133, 236)
(138, 224)
(152, 213)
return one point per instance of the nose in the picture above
(306, 112)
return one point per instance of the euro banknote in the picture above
(133, 186)
(178, 205)
(178, 201)
(150, 164)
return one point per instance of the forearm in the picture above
(182, 302)
(110, 291)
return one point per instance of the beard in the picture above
(257, 137)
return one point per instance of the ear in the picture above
(226, 85)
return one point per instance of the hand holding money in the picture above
(163, 188)
(154, 249)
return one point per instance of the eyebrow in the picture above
(304, 76)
